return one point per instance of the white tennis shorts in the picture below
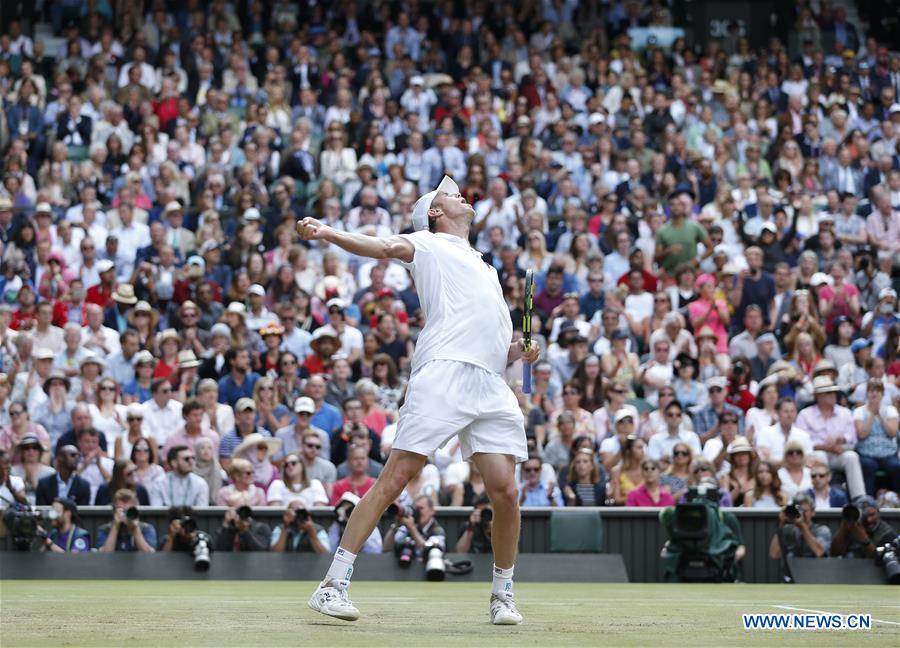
(446, 398)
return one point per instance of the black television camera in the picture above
(886, 556)
(24, 524)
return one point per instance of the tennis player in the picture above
(456, 386)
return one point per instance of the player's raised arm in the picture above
(389, 247)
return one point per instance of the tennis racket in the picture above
(526, 328)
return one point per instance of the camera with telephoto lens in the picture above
(851, 513)
(886, 556)
(188, 524)
(244, 512)
(201, 548)
(792, 512)
(24, 524)
(406, 552)
(435, 570)
(397, 511)
(132, 513)
(487, 514)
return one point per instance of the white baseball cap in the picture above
(423, 204)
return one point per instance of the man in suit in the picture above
(844, 178)
(65, 482)
(180, 238)
(26, 123)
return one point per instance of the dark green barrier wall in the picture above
(632, 532)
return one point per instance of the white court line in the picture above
(796, 609)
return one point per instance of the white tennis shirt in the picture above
(466, 317)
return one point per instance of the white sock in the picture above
(342, 566)
(502, 580)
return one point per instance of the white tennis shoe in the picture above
(503, 610)
(331, 598)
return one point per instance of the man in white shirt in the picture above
(162, 414)
(180, 486)
(662, 443)
(132, 235)
(456, 386)
(95, 468)
(95, 337)
(258, 316)
(495, 211)
(770, 441)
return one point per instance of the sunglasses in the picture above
(132, 419)
(673, 414)
(291, 463)
(531, 470)
(819, 475)
(107, 388)
(700, 470)
(313, 445)
(794, 452)
(681, 453)
(714, 389)
(649, 468)
(288, 363)
(142, 449)
(728, 420)
(16, 413)
(617, 391)
(266, 388)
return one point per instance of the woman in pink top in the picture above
(712, 313)
(650, 492)
(840, 299)
(241, 491)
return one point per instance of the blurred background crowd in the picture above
(713, 223)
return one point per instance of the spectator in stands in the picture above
(162, 413)
(244, 426)
(833, 433)
(65, 535)
(241, 491)
(124, 475)
(66, 482)
(767, 491)
(358, 481)
(584, 485)
(650, 492)
(126, 532)
(876, 429)
(298, 532)
(532, 491)
(292, 436)
(661, 444)
(180, 486)
(822, 492)
(241, 532)
(29, 467)
(144, 454)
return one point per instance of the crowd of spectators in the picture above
(713, 226)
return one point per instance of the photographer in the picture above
(126, 532)
(240, 532)
(476, 536)
(413, 526)
(342, 511)
(861, 530)
(298, 532)
(797, 535)
(64, 536)
(182, 530)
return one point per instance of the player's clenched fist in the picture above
(310, 229)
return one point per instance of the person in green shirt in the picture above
(676, 241)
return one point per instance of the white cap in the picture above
(417, 80)
(252, 213)
(820, 278)
(256, 289)
(596, 118)
(423, 204)
(769, 227)
(895, 108)
(43, 208)
(105, 265)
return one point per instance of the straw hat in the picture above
(187, 359)
(824, 385)
(252, 440)
(740, 444)
(125, 294)
(144, 307)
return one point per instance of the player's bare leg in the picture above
(331, 596)
(499, 473)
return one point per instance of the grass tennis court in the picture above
(242, 613)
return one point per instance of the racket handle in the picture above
(526, 378)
